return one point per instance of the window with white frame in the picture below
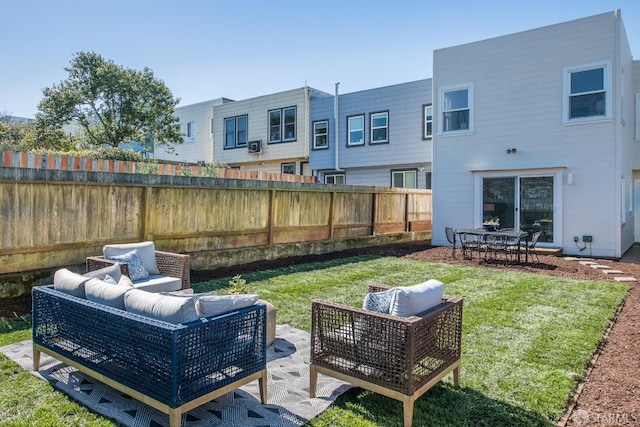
(355, 130)
(587, 92)
(427, 130)
(379, 132)
(404, 178)
(320, 135)
(334, 179)
(456, 103)
(191, 131)
(288, 168)
(235, 132)
(282, 125)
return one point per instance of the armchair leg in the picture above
(456, 376)
(407, 405)
(262, 382)
(313, 381)
(36, 360)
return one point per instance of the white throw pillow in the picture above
(214, 305)
(105, 293)
(168, 308)
(146, 251)
(411, 300)
(69, 282)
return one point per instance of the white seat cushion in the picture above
(69, 282)
(106, 293)
(214, 305)
(158, 283)
(167, 308)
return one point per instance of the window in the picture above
(379, 127)
(191, 131)
(587, 93)
(355, 130)
(456, 109)
(403, 179)
(428, 122)
(320, 135)
(428, 181)
(235, 132)
(282, 125)
(334, 179)
(288, 168)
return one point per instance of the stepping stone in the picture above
(588, 263)
(599, 266)
(612, 271)
(625, 279)
(572, 258)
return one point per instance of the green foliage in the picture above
(17, 136)
(212, 169)
(238, 285)
(149, 167)
(111, 104)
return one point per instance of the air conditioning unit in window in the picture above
(255, 147)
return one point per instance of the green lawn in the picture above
(526, 341)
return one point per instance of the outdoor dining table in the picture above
(482, 235)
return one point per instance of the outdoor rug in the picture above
(287, 390)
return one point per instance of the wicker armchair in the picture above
(169, 264)
(398, 357)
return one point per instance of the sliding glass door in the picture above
(523, 202)
(536, 206)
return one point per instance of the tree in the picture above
(111, 104)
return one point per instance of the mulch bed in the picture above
(610, 394)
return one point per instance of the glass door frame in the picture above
(556, 173)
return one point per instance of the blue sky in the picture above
(241, 49)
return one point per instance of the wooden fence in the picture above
(58, 162)
(56, 218)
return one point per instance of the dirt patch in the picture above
(609, 396)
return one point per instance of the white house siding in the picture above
(272, 155)
(636, 148)
(405, 149)
(517, 103)
(625, 134)
(200, 149)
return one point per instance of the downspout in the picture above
(307, 101)
(335, 119)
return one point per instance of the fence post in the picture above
(406, 212)
(146, 217)
(332, 219)
(272, 210)
(374, 213)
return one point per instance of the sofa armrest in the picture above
(175, 265)
(98, 262)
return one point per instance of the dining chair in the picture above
(451, 238)
(531, 247)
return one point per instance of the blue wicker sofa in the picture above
(169, 366)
